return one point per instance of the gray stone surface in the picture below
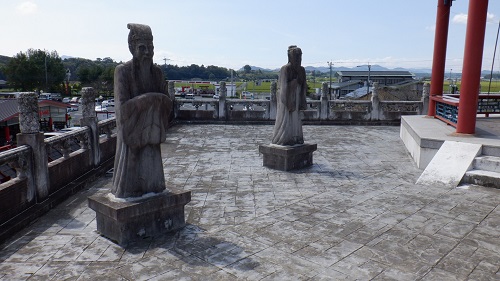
(29, 120)
(88, 102)
(356, 214)
(286, 158)
(124, 221)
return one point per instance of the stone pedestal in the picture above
(286, 158)
(124, 221)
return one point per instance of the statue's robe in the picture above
(292, 89)
(142, 108)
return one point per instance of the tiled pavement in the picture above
(355, 215)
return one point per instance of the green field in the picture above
(494, 88)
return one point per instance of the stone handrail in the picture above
(318, 111)
(18, 159)
(63, 141)
(40, 181)
(107, 126)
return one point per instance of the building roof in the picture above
(8, 109)
(358, 93)
(53, 103)
(375, 73)
(345, 84)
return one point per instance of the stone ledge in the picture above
(286, 158)
(124, 222)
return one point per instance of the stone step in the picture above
(487, 163)
(483, 178)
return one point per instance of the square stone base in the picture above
(125, 221)
(286, 158)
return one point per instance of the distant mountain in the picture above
(4, 60)
(255, 68)
(365, 68)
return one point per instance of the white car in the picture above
(107, 103)
(216, 96)
(101, 108)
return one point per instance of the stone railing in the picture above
(47, 170)
(318, 111)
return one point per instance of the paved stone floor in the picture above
(355, 215)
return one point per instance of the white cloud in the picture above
(460, 18)
(27, 8)
(431, 28)
(491, 18)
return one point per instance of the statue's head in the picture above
(140, 41)
(294, 55)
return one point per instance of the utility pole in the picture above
(330, 63)
(46, 76)
(451, 82)
(165, 66)
(232, 84)
(368, 84)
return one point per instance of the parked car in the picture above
(216, 96)
(66, 100)
(45, 96)
(247, 95)
(101, 108)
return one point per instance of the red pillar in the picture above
(439, 56)
(471, 70)
(7, 133)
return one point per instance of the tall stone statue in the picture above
(142, 110)
(287, 150)
(291, 98)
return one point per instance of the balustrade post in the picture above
(324, 101)
(171, 89)
(222, 100)
(375, 114)
(425, 98)
(29, 125)
(89, 119)
(272, 104)
(171, 93)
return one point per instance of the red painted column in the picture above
(471, 70)
(439, 56)
(7, 133)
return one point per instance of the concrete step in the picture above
(487, 163)
(483, 178)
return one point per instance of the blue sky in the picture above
(232, 33)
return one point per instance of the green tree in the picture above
(247, 68)
(35, 70)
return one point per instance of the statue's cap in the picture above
(139, 31)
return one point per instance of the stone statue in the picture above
(291, 98)
(142, 107)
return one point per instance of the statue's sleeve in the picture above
(303, 94)
(144, 119)
(121, 89)
(286, 96)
